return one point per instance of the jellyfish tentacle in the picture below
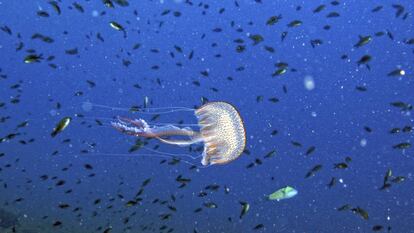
(162, 110)
(129, 156)
(136, 122)
(140, 128)
(192, 140)
(129, 126)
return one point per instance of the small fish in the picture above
(258, 227)
(399, 10)
(240, 48)
(182, 179)
(60, 183)
(78, 7)
(269, 49)
(398, 179)
(73, 51)
(165, 216)
(409, 41)
(123, 3)
(395, 130)
(210, 205)
(131, 203)
(118, 27)
(63, 206)
(402, 105)
(146, 182)
(6, 29)
(256, 38)
(55, 6)
(377, 228)
(283, 193)
(273, 100)
(294, 23)
(213, 187)
(23, 124)
(310, 150)
(344, 207)
(390, 35)
(31, 58)
(316, 42)
(388, 174)
(313, 171)
(279, 72)
(43, 38)
(61, 126)
(340, 165)
(364, 60)
(226, 190)
(377, 8)
(250, 165)
(57, 223)
(332, 182)
(368, 129)
(361, 212)
(245, 208)
(407, 129)
(319, 8)
(333, 14)
(396, 73)
(403, 145)
(363, 40)
(43, 14)
(273, 20)
(270, 154)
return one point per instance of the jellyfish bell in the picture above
(221, 131)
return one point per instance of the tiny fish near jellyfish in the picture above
(221, 130)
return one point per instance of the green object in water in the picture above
(283, 193)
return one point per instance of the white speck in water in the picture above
(309, 83)
(363, 142)
(95, 13)
(314, 114)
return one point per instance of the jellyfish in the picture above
(221, 130)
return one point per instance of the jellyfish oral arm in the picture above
(135, 127)
(140, 128)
